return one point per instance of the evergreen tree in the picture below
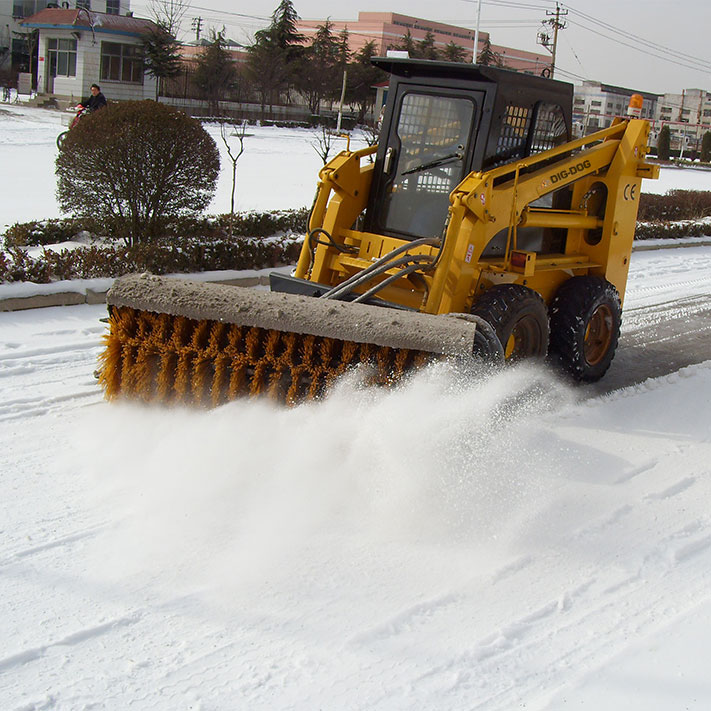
(664, 143)
(274, 53)
(406, 44)
(161, 55)
(344, 52)
(216, 73)
(706, 147)
(268, 71)
(318, 75)
(488, 58)
(282, 31)
(362, 77)
(454, 53)
(426, 47)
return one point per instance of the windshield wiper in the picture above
(435, 163)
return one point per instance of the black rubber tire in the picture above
(585, 327)
(520, 318)
(60, 138)
(486, 346)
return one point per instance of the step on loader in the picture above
(478, 227)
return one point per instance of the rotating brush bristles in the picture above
(172, 359)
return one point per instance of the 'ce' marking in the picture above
(630, 192)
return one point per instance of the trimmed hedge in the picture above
(246, 224)
(190, 245)
(174, 255)
(195, 244)
(675, 205)
(671, 230)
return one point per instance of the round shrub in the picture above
(133, 164)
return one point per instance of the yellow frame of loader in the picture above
(482, 205)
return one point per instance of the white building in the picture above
(16, 43)
(79, 47)
(688, 116)
(595, 105)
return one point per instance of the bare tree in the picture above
(168, 13)
(323, 143)
(240, 132)
(370, 133)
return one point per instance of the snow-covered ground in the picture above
(494, 543)
(278, 169)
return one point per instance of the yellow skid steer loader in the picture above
(476, 228)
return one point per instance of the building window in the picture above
(113, 7)
(83, 4)
(121, 62)
(707, 112)
(25, 8)
(596, 103)
(62, 56)
(20, 53)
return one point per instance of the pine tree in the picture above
(406, 44)
(344, 53)
(318, 75)
(283, 30)
(161, 55)
(216, 73)
(664, 143)
(426, 47)
(362, 77)
(706, 147)
(274, 54)
(454, 53)
(488, 58)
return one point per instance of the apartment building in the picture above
(595, 105)
(688, 116)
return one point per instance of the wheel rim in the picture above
(598, 334)
(524, 339)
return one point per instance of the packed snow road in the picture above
(502, 543)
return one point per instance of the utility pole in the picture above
(197, 26)
(544, 37)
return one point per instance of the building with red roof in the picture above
(77, 48)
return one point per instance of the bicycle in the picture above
(80, 112)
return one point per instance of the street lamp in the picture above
(476, 31)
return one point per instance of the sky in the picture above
(654, 46)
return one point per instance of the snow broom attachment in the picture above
(174, 341)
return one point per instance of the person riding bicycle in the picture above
(96, 101)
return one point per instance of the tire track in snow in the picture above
(8, 664)
(80, 535)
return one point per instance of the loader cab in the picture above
(444, 120)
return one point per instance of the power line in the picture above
(641, 50)
(630, 35)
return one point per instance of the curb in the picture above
(647, 247)
(91, 296)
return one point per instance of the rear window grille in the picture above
(514, 134)
(549, 129)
